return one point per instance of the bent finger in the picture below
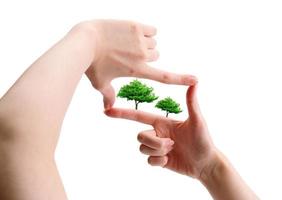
(158, 160)
(148, 30)
(155, 152)
(150, 139)
(150, 42)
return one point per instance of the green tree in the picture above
(168, 105)
(138, 92)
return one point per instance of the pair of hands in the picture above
(122, 49)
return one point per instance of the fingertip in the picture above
(151, 161)
(189, 80)
(110, 112)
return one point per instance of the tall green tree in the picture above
(137, 92)
(168, 105)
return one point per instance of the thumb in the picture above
(192, 103)
(108, 93)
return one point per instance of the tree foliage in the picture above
(169, 105)
(137, 92)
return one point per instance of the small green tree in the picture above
(138, 92)
(168, 105)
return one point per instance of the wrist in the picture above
(214, 169)
(223, 182)
(86, 34)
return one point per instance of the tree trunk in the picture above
(167, 114)
(136, 105)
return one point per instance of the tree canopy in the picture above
(137, 92)
(169, 105)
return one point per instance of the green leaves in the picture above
(169, 105)
(138, 92)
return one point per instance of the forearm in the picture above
(36, 104)
(27, 175)
(223, 182)
(31, 114)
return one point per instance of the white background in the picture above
(234, 47)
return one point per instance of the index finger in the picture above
(135, 115)
(159, 75)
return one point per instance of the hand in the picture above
(182, 146)
(122, 50)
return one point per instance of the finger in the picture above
(152, 55)
(151, 73)
(108, 93)
(192, 103)
(150, 42)
(149, 31)
(135, 115)
(150, 139)
(153, 152)
(158, 160)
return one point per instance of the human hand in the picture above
(122, 49)
(182, 146)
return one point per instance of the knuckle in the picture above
(134, 27)
(132, 72)
(165, 78)
(100, 86)
(138, 117)
(162, 144)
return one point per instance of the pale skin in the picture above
(33, 109)
(187, 148)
